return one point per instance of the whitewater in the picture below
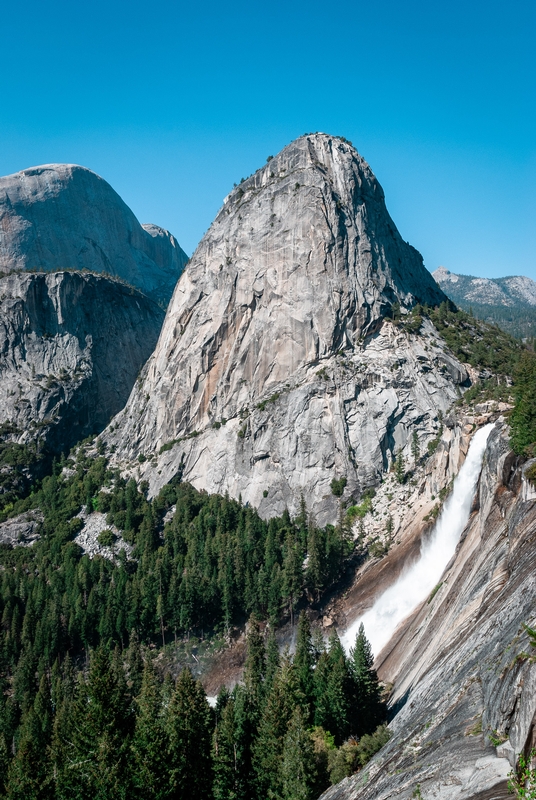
(417, 581)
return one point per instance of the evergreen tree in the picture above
(333, 691)
(268, 745)
(314, 573)
(367, 688)
(255, 665)
(227, 784)
(415, 449)
(135, 665)
(298, 766)
(292, 573)
(400, 469)
(188, 731)
(272, 661)
(28, 777)
(304, 663)
(149, 763)
(95, 760)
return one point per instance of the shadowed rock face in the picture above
(299, 267)
(62, 216)
(71, 346)
(464, 682)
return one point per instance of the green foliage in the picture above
(338, 486)
(363, 508)
(400, 468)
(433, 444)
(523, 416)
(415, 448)
(522, 782)
(106, 537)
(478, 343)
(19, 464)
(354, 754)
(434, 592)
(378, 549)
(272, 399)
(114, 729)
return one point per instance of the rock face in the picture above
(464, 683)
(509, 302)
(71, 346)
(512, 291)
(275, 369)
(62, 216)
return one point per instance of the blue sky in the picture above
(173, 102)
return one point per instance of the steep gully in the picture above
(417, 581)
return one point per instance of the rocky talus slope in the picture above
(275, 371)
(464, 681)
(62, 216)
(71, 347)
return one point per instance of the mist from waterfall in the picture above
(417, 581)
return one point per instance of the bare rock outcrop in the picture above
(464, 696)
(71, 347)
(62, 216)
(275, 371)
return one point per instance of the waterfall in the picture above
(417, 581)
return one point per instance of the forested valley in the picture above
(86, 709)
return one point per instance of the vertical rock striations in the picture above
(62, 216)
(71, 347)
(275, 371)
(464, 697)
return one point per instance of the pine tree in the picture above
(188, 731)
(255, 666)
(304, 663)
(94, 754)
(333, 691)
(268, 745)
(415, 450)
(149, 764)
(400, 469)
(29, 772)
(292, 573)
(366, 686)
(224, 750)
(272, 661)
(245, 733)
(314, 573)
(135, 665)
(297, 775)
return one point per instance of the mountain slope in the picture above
(464, 698)
(71, 347)
(508, 302)
(62, 216)
(275, 372)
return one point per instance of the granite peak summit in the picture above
(275, 369)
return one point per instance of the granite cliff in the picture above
(71, 347)
(463, 681)
(62, 216)
(276, 370)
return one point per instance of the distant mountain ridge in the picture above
(509, 302)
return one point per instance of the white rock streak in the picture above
(419, 579)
